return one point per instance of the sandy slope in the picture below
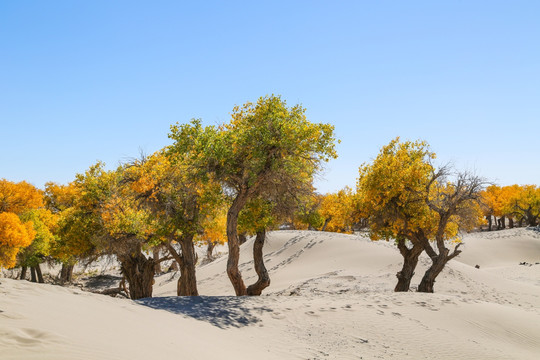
(330, 298)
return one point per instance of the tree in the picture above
(44, 223)
(456, 204)
(262, 143)
(19, 197)
(107, 216)
(390, 194)
(16, 199)
(337, 211)
(524, 203)
(178, 203)
(14, 235)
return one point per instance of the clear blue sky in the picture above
(97, 80)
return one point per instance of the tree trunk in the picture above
(428, 281)
(503, 222)
(242, 238)
(232, 240)
(39, 274)
(410, 260)
(139, 272)
(187, 283)
(258, 260)
(33, 274)
(511, 222)
(23, 273)
(66, 274)
(498, 221)
(520, 223)
(489, 222)
(210, 250)
(157, 265)
(326, 221)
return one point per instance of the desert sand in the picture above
(331, 297)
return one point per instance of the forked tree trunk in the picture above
(33, 274)
(234, 247)
(23, 273)
(139, 273)
(187, 283)
(258, 260)
(410, 260)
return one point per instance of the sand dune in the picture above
(331, 298)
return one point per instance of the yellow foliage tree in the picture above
(14, 235)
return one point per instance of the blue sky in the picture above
(99, 80)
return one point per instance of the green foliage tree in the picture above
(263, 143)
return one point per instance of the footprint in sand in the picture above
(311, 313)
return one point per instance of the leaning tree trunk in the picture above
(234, 247)
(258, 260)
(39, 274)
(187, 283)
(139, 272)
(326, 221)
(410, 260)
(23, 273)
(428, 281)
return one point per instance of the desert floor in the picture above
(331, 297)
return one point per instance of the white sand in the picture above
(331, 298)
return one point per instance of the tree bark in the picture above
(66, 274)
(232, 240)
(187, 283)
(511, 222)
(326, 221)
(428, 281)
(23, 273)
(258, 260)
(33, 274)
(210, 250)
(155, 256)
(489, 222)
(503, 222)
(139, 272)
(242, 238)
(410, 260)
(39, 274)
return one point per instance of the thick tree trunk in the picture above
(258, 260)
(23, 272)
(33, 274)
(234, 247)
(157, 265)
(187, 283)
(139, 272)
(488, 218)
(511, 222)
(66, 274)
(499, 225)
(410, 260)
(503, 222)
(428, 281)
(39, 274)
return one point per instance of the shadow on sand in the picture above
(220, 311)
